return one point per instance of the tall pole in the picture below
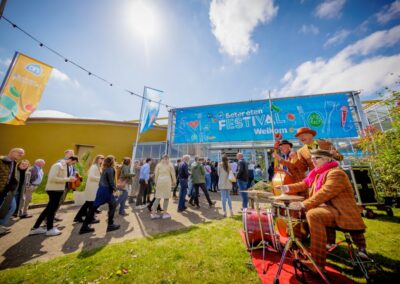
(2, 6)
(272, 117)
(137, 133)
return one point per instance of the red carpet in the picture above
(271, 264)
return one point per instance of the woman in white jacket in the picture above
(164, 178)
(92, 184)
(224, 184)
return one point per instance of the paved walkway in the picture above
(17, 247)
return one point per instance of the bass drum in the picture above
(258, 226)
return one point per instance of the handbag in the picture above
(121, 183)
(231, 177)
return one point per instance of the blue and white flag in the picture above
(150, 108)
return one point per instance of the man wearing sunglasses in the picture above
(331, 204)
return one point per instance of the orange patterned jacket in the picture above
(336, 192)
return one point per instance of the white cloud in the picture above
(330, 9)
(288, 76)
(388, 12)
(337, 37)
(355, 67)
(59, 76)
(51, 113)
(309, 29)
(233, 21)
(6, 62)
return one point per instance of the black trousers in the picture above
(50, 211)
(112, 205)
(143, 192)
(84, 210)
(195, 196)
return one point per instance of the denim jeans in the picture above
(10, 212)
(226, 196)
(123, 196)
(190, 188)
(182, 193)
(243, 186)
(208, 181)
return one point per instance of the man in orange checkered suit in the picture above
(331, 204)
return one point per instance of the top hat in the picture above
(320, 152)
(303, 130)
(283, 142)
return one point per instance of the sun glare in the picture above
(142, 19)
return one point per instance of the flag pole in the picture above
(272, 117)
(137, 133)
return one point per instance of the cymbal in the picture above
(260, 192)
(285, 197)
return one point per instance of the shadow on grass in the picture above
(386, 218)
(389, 273)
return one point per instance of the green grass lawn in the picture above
(212, 252)
(38, 198)
(207, 253)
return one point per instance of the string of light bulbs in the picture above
(67, 60)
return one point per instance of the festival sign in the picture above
(150, 108)
(22, 89)
(329, 115)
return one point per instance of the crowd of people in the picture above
(144, 185)
(313, 171)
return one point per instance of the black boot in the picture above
(113, 227)
(85, 229)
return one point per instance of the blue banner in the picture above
(150, 108)
(329, 115)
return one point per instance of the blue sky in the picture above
(203, 52)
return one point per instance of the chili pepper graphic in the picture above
(344, 110)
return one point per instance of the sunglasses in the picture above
(316, 158)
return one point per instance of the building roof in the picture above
(53, 120)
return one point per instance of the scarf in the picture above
(322, 172)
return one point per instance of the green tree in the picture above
(383, 147)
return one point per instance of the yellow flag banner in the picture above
(22, 89)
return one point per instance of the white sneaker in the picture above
(224, 214)
(166, 216)
(53, 232)
(363, 254)
(4, 230)
(231, 215)
(155, 216)
(37, 231)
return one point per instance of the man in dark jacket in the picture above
(242, 177)
(8, 181)
(183, 176)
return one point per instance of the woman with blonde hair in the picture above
(105, 194)
(164, 178)
(92, 184)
